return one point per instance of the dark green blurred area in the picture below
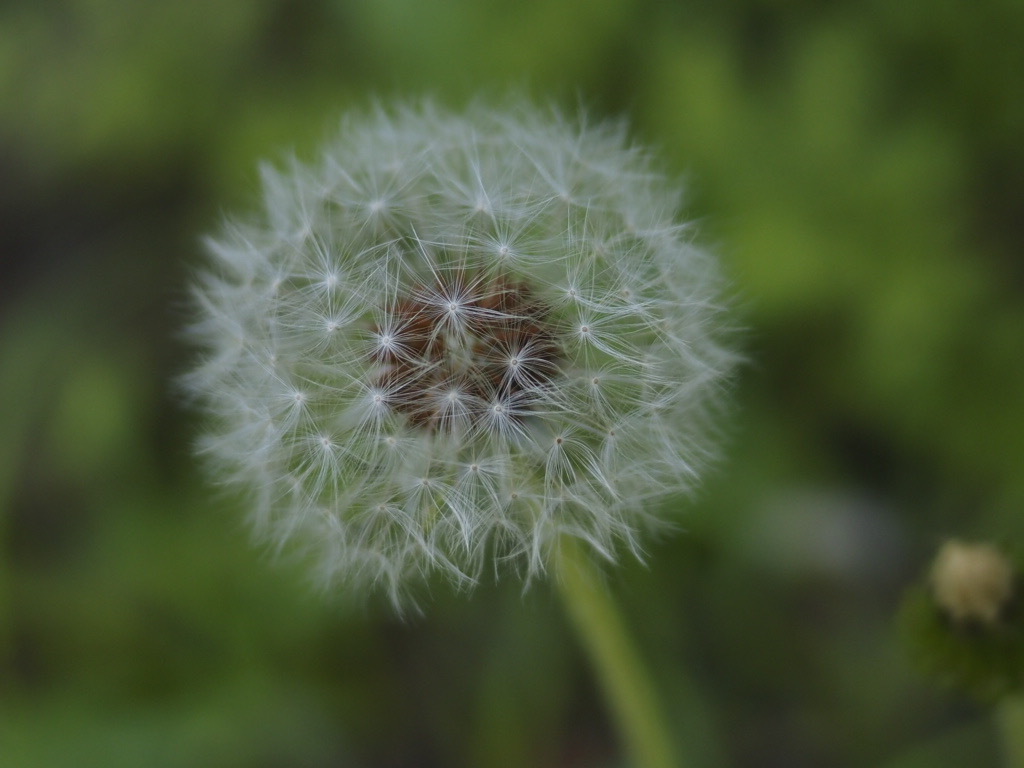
(860, 165)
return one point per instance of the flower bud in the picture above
(971, 582)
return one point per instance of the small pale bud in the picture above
(972, 582)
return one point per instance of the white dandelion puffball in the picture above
(454, 339)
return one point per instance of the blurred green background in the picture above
(860, 166)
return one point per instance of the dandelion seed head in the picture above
(486, 335)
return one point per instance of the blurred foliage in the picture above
(860, 164)
(986, 661)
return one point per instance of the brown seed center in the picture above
(465, 351)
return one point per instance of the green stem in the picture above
(628, 690)
(1010, 713)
